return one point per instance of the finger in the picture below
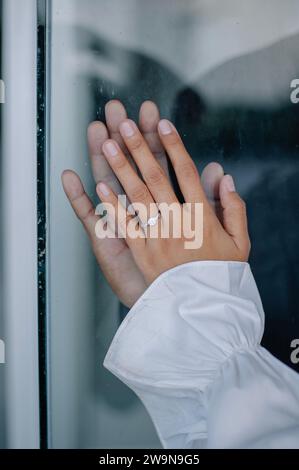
(152, 173)
(120, 219)
(149, 118)
(97, 134)
(115, 113)
(134, 187)
(210, 180)
(112, 253)
(80, 202)
(234, 214)
(183, 165)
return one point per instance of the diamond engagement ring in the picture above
(151, 221)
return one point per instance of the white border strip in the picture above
(20, 231)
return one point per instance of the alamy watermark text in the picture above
(2, 92)
(2, 352)
(295, 93)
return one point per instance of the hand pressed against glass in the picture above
(126, 269)
(153, 255)
(113, 255)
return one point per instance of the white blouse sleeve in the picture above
(190, 349)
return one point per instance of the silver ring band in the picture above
(152, 221)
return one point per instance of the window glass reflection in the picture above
(222, 73)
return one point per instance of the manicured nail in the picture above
(103, 188)
(165, 127)
(229, 183)
(127, 128)
(110, 148)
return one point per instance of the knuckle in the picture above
(241, 205)
(238, 203)
(187, 170)
(155, 176)
(120, 163)
(135, 143)
(245, 250)
(85, 215)
(139, 193)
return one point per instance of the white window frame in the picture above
(20, 223)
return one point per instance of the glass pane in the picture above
(222, 72)
(2, 345)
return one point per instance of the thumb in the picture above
(234, 214)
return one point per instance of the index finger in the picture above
(152, 173)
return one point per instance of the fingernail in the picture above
(110, 149)
(165, 127)
(229, 183)
(127, 128)
(103, 188)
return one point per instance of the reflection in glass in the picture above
(223, 75)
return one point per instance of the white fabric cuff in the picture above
(176, 338)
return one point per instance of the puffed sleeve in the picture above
(190, 349)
